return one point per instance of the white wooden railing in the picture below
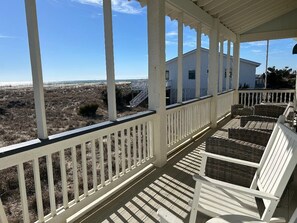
(224, 102)
(88, 163)
(186, 119)
(256, 96)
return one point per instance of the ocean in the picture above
(134, 83)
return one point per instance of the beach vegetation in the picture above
(88, 110)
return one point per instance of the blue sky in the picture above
(72, 41)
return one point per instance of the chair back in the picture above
(277, 164)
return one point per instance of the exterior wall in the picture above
(247, 74)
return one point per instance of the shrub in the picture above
(88, 110)
(2, 111)
(123, 96)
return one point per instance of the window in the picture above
(192, 74)
(167, 75)
(230, 73)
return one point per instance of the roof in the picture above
(225, 55)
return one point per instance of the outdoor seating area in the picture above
(170, 190)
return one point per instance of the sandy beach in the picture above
(62, 103)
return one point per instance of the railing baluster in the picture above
(139, 143)
(285, 97)
(51, 186)
(63, 179)
(38, 189)
(150, 140)
(94, 165)
(167, 130)
(180, 124)
(129, 147)
(171, 129)
(23, 193)
(281, 97)
(3, 218)
(144, 141)
(102, 164)
(134, 147)
(241, 100)
(249, 99)
(116, 145)
(175, 126)
(84, 169)
(123, 150)
(109, 161)
(75, 176)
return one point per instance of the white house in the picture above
(247, 74)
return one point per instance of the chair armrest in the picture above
(230, 160)
(240, 189)
(167, 217)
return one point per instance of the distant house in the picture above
(259, 81)
(247, 74)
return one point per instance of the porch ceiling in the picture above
(243, 15)
(252, 19)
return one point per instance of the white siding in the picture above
(247, 74)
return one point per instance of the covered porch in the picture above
(123, 170)
(172, 187)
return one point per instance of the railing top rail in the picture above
(170, 107)
(32, 144)
(225, 92)
(263, 90)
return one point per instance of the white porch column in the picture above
(33, 37)
(180, 60)
(111, 96)
(213, 72)
(236, 68)
(221, 71)
(198, 61)
(228, 65)
(156, 74)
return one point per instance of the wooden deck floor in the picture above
(170, 187)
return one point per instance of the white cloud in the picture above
(253, 44)
(257, 51)
(127, 7)
(6, 37)
(172, 33)
(190, 43)
(170, 43)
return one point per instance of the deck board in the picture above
(170, 187)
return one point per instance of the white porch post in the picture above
(180, 60)
(236, 68)
(156, 74)
(213, 72)
(198, 61)
(221, 71)
(228, 65)
(111, 96)
(33, 37)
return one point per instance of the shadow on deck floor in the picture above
(171, 187)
